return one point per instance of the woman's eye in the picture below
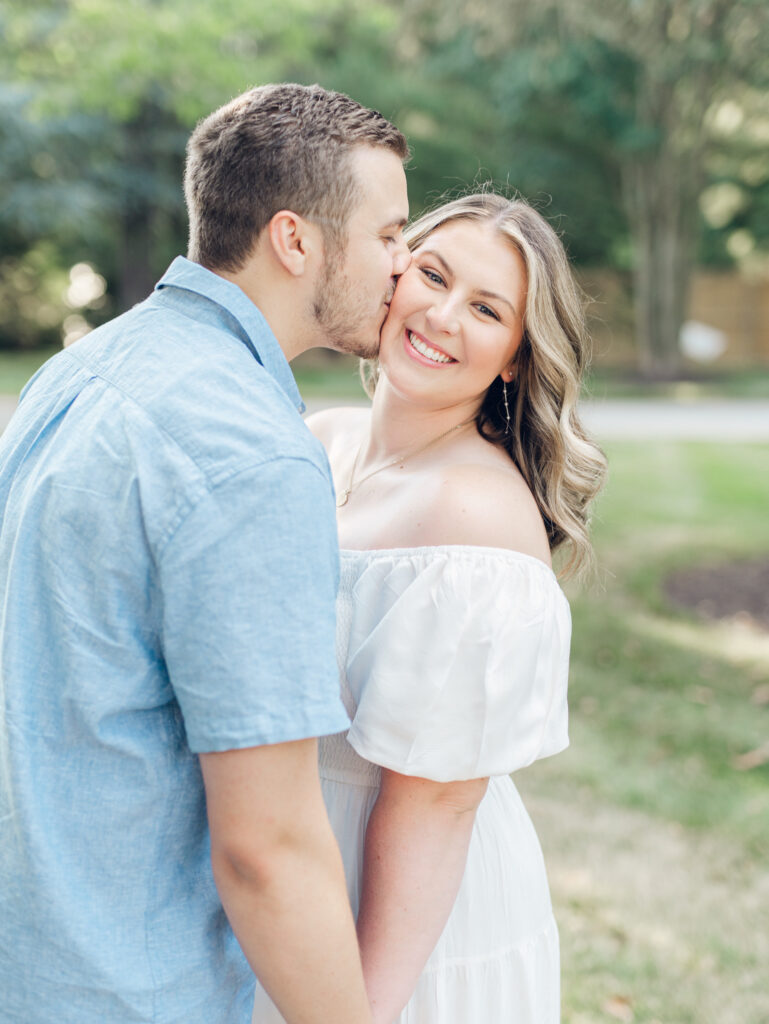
(431, 275)
(486, 310)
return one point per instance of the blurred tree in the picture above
(735, 202)
(139, 75)
(44, 213)
(628, 89)
(615, 119)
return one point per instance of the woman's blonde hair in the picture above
(563, 467)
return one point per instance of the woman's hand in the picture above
(415, 853)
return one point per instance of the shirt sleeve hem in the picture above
(240, 737)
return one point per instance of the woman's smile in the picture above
(423, 351)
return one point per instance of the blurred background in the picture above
(640, 129)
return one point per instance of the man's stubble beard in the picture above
(339, 314)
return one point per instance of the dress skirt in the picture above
(497, 960)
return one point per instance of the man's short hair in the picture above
(276, 147)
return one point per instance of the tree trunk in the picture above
(661, 184)
(660, 212)
(137, 278)
(136, 265)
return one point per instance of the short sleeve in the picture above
(458, 665)
(248, 585)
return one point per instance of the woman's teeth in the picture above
(426, 351)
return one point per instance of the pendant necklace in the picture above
(344, 496)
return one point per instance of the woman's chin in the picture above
(410, 389)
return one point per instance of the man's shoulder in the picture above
(121, 430)
(202, 387)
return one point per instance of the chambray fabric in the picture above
(168, 570)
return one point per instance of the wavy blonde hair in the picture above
(563, 467)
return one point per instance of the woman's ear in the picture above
(510, 372)
(294, 241)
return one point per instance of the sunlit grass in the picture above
(655, 831)
(748, 382)
(321, 375)
(317, 377)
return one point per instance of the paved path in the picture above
(650, 420)
(653, 419)
(713, 420)
(7, 405)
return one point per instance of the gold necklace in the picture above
(344, 496)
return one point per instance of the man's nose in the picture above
(401, 260)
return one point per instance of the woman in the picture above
(453, 490)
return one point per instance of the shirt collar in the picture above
(258, 336)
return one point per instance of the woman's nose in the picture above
(442, 316)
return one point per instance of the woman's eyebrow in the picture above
(480, 291)
(439, 258)
(499, 298)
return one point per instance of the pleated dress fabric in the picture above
(453, 664)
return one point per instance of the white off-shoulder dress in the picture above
(454, 665)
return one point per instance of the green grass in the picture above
(338, 378)
(335, 378)
(322, 376)
(750, 382)
(17, 367)
(657, 840)
(319, 375)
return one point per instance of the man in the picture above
(168, 568)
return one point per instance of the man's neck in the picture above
(280, 308)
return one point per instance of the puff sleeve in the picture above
(458, 663)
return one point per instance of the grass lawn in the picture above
(321, 377)
(604, 382)
(656, 834)
(339, 378)
(17, 367)
(318, 378)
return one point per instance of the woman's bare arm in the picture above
(415, 853)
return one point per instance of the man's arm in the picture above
(280, 878)
(416, 849)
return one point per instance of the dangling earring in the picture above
(507, 407)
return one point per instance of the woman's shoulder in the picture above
(341, 424)
(483, 504)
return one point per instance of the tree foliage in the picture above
(613, 105)
(613, 118)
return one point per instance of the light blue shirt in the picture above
(168, 570)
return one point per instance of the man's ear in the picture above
(294, 241)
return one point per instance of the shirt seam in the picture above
(207, 484)
(239, 471)
(209, 480)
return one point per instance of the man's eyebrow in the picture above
(396, 222)
(479, 291)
